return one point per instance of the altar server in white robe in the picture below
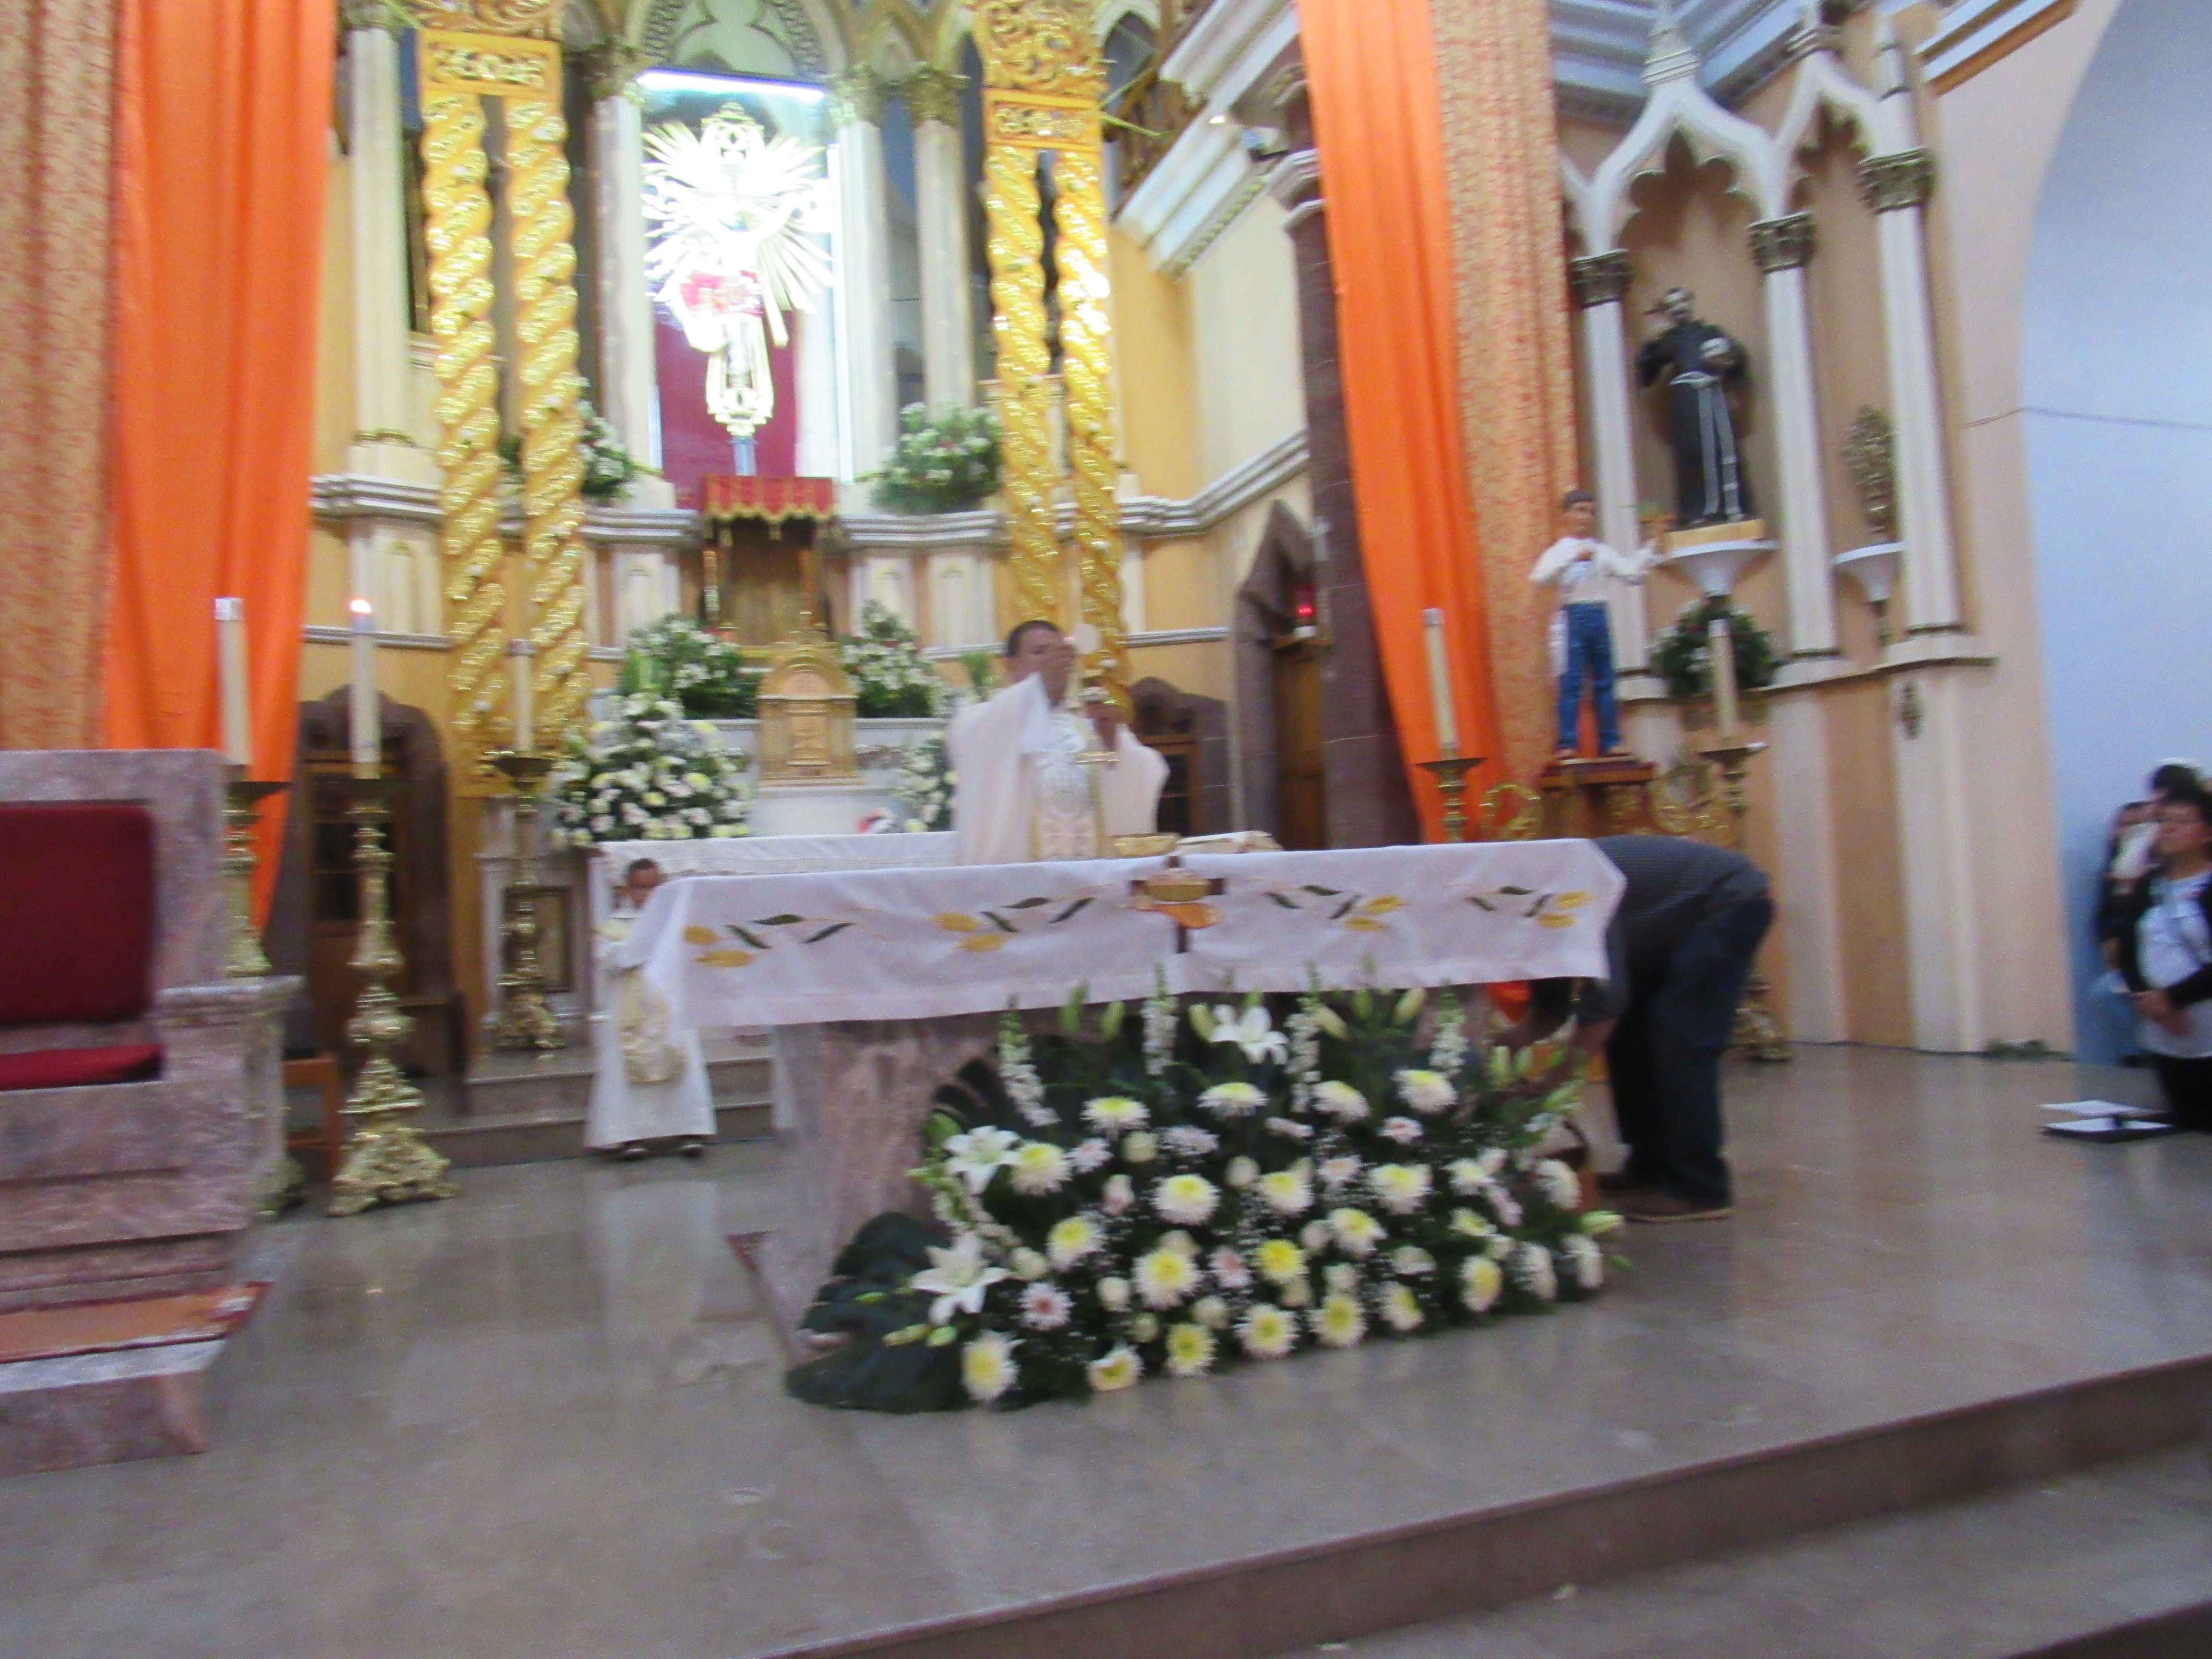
(649, 1084)
(1019, 792)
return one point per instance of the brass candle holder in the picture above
(1756, 1032)
(1450, 773)
(524, 1022)
(244, 959)
(386, 1160)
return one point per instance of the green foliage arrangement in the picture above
(1682, 657)
(943, 463)
(1156, 1189)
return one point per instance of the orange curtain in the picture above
(223, 113)
(1370, 66)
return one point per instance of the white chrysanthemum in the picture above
(1426, 1092)
(1289, 1128)
(1241, 1173)
(1498, 1247)
(1585, 1261)
(1180, 1242)
(1467, 1176)
(1504, 1206)
(1341, 1277)
(1339, 1322)
(1046, 1307)
(1315, 1235)
(1492, 1161)
(1142, 1147)
(1210, 1311)
(1029, 1266)
(1143, 1328)
(1165, 1279)
(1286, 1192)
(1088, 1155)
(1189, 1201)
(1190, 1140)
(987, 1368)
(1402, 1189)
(1232, 1100)
(1071, 1240)
(1116, 1369)
(1119, 1194)
(1533, 1273)
(1280, 1262)
(1479, 1282)
(1356, 1233)
(1113, 1295)
(1468, 1224)
(1403, 1130)
(1190, 1351)
(1559, 1184)
(1298, 1293)
(1116, 1113)
(1337, 1173)
(1039, 1167)
(1266, 1331)
(1401, 1309)
(1229, 1270)
(1340, 1101)
(1411, 1261)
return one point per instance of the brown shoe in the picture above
(1654, 1205)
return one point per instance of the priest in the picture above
(1022, 790)
(649, 1087)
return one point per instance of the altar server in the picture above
(649, 1087)
(1020, 792)
(1681, 943)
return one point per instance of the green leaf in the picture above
(1345, 908)
(753, 939)
(1003, 925)
(1068, 912)
(1363, 1004)
(1288, 904)
(834, 927)
(777, 921)
(1481, 904)
(1028, 903)
(1409, 1006)
(1201, 1020)
(1517, 892)
(1109, 1022)
(1323, 893)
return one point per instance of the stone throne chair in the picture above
(141, 1101)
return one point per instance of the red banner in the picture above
(725, 495)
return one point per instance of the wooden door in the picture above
(1302, 810)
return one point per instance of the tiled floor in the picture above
(544, 1420)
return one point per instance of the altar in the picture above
(879, 984)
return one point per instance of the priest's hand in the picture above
(1105, 720)
(1059, 664)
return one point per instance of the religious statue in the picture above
(1587, 574)
(1040, 775)
(1698, 363)
(735, 215)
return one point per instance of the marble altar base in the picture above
(106, 1407)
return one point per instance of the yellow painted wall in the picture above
(1155, 374)
(1244, 308)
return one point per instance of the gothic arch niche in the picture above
(780, 39)
(1279, 702)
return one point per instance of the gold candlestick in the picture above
(1756, 1032)
(524, 1021)
(241, 812)
(386, 1160)
(1451, 774)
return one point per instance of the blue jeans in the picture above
(1589, 647)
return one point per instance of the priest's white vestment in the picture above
(649, 1082)
(1020, 795)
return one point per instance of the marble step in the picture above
(2110, 1562)
(505, 1086)
(1343, 1594)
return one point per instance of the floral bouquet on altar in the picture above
(891, 679)
(942, 463)
(649, 774)
(1195, 1189)
(709, 676)
(922, 788)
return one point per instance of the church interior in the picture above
(735, 732)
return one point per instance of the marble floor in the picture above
(544, 1419)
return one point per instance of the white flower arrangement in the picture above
(1121, 1201)
(891, 679)
(922, 788)
(944, 463)
(649, 774)
(675, 657)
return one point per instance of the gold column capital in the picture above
(1906, 179)
(933, 95)
(611, 68)
(1783, 244)
(856, 94)
(1600, 279)
(536, 20)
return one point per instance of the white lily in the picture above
(957, 1277)
(1249, 1031)
(978, 1155)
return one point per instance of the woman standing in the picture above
(2165, 956)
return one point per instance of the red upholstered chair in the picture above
(140, 1116)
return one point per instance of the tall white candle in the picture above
(525, 708)
(1440, 688)
(367, 719)
(1721, 648)
(231, 680)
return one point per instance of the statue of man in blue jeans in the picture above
(1587, 574)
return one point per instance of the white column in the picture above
(629, 385)
(1599, 284)
(1897, 186)
(1805, 847)
(864, 275)
(814, 363)
(1935, 839)
(948, 349)
(383, 439)
(1782, 246)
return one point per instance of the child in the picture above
(1586, 573)
(2165, 956)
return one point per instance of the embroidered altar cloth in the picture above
(918, 944)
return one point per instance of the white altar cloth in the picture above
(920, 943)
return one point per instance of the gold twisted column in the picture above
(1087, 367)
(1016, 251)
(458, 214)
(544, 261)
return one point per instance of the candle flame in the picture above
(360, 607)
